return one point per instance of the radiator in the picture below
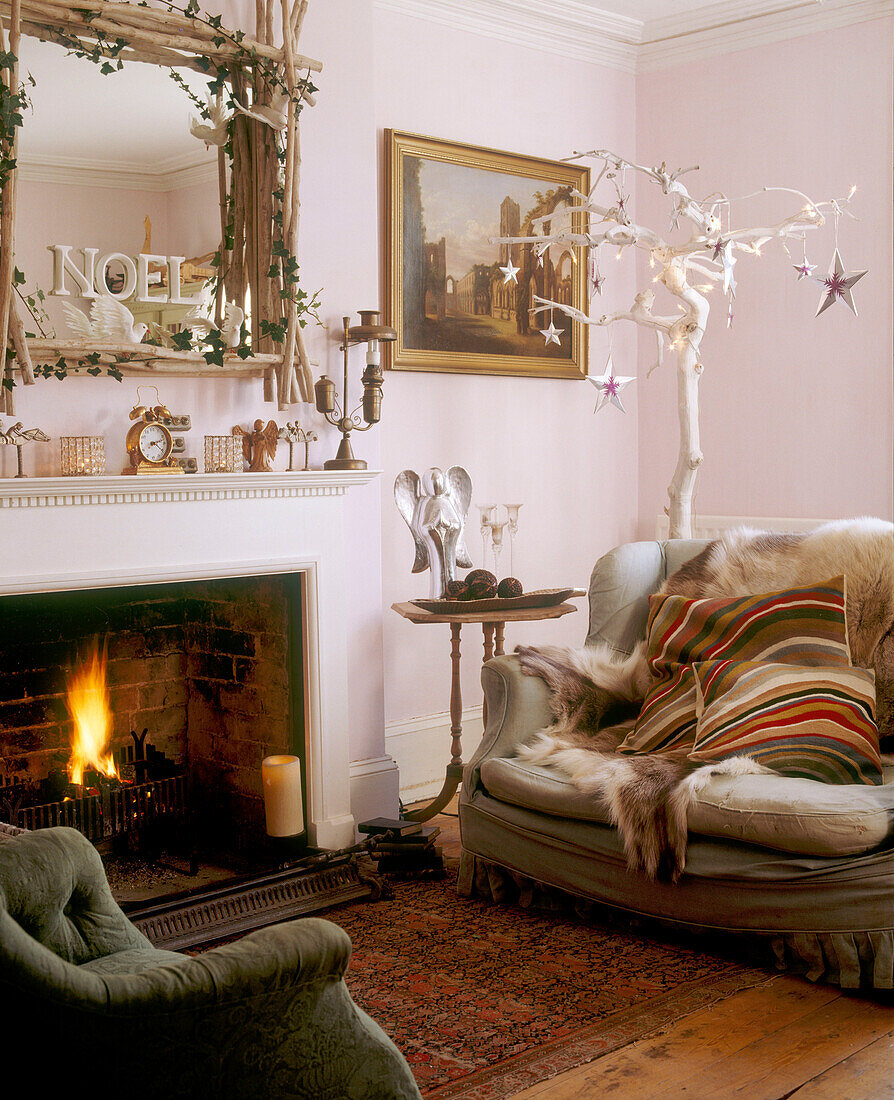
(710, 527)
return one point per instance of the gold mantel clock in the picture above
(149, 443)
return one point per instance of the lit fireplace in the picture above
(91, 712)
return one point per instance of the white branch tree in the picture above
(709, 256)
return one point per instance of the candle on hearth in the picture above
(283, 806)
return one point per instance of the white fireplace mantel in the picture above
(167, 528)
(50, 492)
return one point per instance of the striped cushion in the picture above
(804, 626)
(811, 723)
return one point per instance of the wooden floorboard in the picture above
(787, 1039)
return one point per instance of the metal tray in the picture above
(545, 597)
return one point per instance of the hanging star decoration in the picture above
(804, 270)
(596, 278)
(540, 251)
(838, 284)
(509, 272)
(552, 334)
(723, 253)
(609, 387)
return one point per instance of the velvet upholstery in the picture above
(87, 995)
(831, 916)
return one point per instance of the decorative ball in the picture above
(457, 590)
(509, 587)
(483, 588)
(480, 574)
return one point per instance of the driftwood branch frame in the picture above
(258, 174)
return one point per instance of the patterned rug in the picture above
(486, 1000)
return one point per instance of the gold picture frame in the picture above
(450, 304)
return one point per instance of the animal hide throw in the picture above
(648, 795)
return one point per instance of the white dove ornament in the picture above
(274, 114)
(110, 322)
(231, 330)
(214, 131)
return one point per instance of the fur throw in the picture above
(648, 796)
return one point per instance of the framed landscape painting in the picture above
(453, 308)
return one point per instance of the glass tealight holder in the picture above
(223, 454)
(82, 455)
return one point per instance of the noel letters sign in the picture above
(89, 280)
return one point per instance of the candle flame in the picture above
(88, 704)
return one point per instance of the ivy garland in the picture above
(104, 53)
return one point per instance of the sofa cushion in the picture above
(809, 723)
(791, 815)
(803, 626)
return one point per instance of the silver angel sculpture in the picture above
(435, 508)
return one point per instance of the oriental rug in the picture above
(486, 1000)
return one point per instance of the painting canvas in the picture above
(453, 307)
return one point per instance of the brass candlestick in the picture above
(369, 331)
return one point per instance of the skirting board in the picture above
(374, 788)
(711, 527)
(421, 747)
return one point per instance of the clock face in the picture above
(154, 444)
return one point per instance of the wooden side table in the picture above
(493, 625)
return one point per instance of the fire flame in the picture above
(88, 703)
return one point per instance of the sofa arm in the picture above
(517, 707)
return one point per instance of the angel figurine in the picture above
(259, 445)
(435, 508)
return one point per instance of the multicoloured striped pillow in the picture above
(811, 723)
(804, 626)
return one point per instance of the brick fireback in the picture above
(203, 664)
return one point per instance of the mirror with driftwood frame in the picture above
(256, 90)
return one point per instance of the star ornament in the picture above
(552, 334)
(723, 253)
(804, 270)
(609, 387)
(509, 272)
(838, 284)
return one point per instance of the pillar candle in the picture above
(283, 807)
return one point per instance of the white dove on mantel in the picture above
(200, 321)
(110, 322)
(216, 132)
(275, 113)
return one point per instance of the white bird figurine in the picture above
(274, 114)
(110, 322)
(216, 132)
(200, 321)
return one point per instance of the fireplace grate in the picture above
(103, 809)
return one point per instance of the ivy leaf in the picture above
(17, 277)
(94, 371)
(113, 372)
(182, 340)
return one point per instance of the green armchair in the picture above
(88, 1000)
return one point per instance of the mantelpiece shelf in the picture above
(53, 492)
(148, 359)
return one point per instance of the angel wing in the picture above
(246, 441)
(111, 320)
(407, 494)
(78, 322)
(269, 440)
(461, 494)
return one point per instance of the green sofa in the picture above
(809, 864)
(90, 1003)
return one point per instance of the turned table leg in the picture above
(456, 697)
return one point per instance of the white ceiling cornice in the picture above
(169, 174)
(743, 24)
(577, 30)
(567, 27)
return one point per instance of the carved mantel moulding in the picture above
(54, 492)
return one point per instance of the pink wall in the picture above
(533, 440)
(529, 440)
(796, 411)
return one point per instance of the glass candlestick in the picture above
(496, 534)
(512, 518)
(487, 517)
